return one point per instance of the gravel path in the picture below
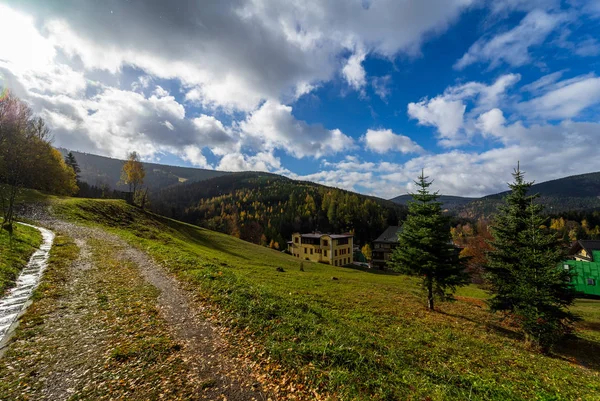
(203, 348)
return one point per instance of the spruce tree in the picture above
(72, 162)
(425, 246)
(525, 271)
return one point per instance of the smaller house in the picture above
(585, 262)
(384, 246)
(333, 249)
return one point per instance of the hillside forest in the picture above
(266, 209)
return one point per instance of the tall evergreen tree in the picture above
(72, 162)
(524, 268)
(425, 246)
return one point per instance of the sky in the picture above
(356, 94)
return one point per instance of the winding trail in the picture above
(16, 300)
(80, 345)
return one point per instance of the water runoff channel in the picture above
(16, 300)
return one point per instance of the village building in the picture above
(585, 263)
(384, 246)
(333, 249)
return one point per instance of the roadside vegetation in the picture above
(350, 333)
(15, 251)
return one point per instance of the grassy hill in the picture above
(99, 170)
(263, 207)
(362, 335)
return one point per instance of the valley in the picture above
(305, 335)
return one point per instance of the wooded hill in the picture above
(449, 202)
(266, 208)
(574, 193)
(103, 171)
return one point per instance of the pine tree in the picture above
(524, 268)
(72, 162)
(425, 246)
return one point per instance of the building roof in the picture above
(319, 235)
(588, 245)
(389, 235)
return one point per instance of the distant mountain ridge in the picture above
(100, 171)
(577, 192)
(449, 202)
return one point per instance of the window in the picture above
(296, 240)
(325, 242)
(325, 253)
(305, 250)
(311, 251)
(335, 253)
(591, 281)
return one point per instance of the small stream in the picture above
(15, 301)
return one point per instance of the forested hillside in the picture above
(266, 209)
(449, 202)
(102, 171)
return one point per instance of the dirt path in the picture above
(106, 334)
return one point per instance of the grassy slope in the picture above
(15, 253)
(362, 336)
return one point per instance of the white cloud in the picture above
(475, 173)
(381, 86)
(491, 122)
(565, 99)
(448, 111)
(446, 115)
(193, 154)
(274, 127)
(262, 161)
(160, 91)
(234, 55)
(353, 71)
(384, 140)
(512, 47)
(543, 82)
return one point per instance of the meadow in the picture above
(354, 333)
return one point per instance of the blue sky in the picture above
(360, 94)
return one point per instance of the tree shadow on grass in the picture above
(372, 271)
(580, 351)
(503, 331)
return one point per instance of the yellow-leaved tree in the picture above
(133, 175)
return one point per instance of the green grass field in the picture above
(15, 253)
(351, 333)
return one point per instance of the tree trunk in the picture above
(429, 295)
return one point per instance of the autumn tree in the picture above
(425, 246)
(27, 158)
(366, 250)
(133, 174)
(525, 269)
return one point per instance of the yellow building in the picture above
(334, 249)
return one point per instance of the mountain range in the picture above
(578, 192)
(105, 171)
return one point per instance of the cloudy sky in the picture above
(358, 94)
